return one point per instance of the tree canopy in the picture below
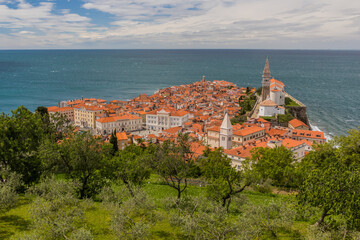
(20, 137)
(80, 157)
(331, 179)
(175, 163)
(276, 164)
(224, 180)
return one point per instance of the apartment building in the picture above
(163, 119)
(68, 112)
(85, 115)
(121, 123)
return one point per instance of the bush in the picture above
(284, 118)
(57, 212)
(267, 118)
(9, 182)
(263, 186)
(258, 91)
(131, 219)
(263, 219)
(208, 221)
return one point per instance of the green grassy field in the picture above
(98, 219)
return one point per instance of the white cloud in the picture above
(140, 10)
(38, 27)
(187, 24)
(232, 23)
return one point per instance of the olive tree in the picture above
(130, 166)
(9, 183)
(131, 216)
(331, 180)
(200, 218)
(276, 164)
(80, 157)
(224, 181)
(56, 212)
(175, 163)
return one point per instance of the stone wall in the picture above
(299, 113)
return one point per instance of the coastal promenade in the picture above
(255, 111)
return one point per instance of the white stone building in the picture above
(120, 123)
(269, 108)
(227, 137)
(277, 93)
(164, 119)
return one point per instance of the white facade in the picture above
(226, 133)
(105, 126)
(278, 97)
(270, 111)
(277, 93)
(161, 120)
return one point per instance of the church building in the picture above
(228, 136)
(272, 95)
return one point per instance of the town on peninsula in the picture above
(216, 114)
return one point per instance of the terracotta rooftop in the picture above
(121, 136)
(308, 134)
(297, 123)
(247, 131)
(268, 103)
(117, 118)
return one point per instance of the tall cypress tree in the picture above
(114, 142)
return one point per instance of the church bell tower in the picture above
(226, 133)
(266, 81)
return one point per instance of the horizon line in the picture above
(254, 49)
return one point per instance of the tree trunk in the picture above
(225, 199)
(84, 185)
(228, 204)
(128, 187)
(179, 190)
(179, 193)
(321, 220)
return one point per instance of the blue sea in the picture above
(328, 82)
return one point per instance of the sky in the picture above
(179, 24)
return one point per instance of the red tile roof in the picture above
(248, 131)
(117, 118)
(297, 123)
(121, 136)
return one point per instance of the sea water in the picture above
(327, 82)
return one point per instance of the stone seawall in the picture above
(295, 100)
(298, 112)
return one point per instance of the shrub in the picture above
(263, 186)
(284, 118)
